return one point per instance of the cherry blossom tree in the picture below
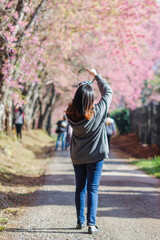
(46, 41)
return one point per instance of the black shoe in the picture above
(80, 226)
(93, 230)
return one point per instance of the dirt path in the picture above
(129, 204)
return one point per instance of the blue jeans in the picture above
(61, 136)
(87, 180)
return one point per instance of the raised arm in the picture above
(105, 90)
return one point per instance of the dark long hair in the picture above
(20, 110)
(82, 103)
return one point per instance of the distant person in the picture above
(69, 135)
(110, 128)
(61, 133)
(88, 146)
(19, 120)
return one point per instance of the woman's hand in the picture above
(92, 71)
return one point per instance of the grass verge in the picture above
(150, 166)
(22, 167)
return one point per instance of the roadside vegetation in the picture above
(146, 158)
(21, 169)
(150, 166)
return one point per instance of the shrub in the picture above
(122, 120)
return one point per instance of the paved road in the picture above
(129, 204)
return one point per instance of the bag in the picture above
(58, 130)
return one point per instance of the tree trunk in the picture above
(39, 107)
(46, 104)
(5, 109)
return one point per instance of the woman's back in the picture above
(89, 141)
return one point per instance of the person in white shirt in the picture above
(19, 120)
(110, 128)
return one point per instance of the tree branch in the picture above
(31, 21)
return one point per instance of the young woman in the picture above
(19, 120)
(89, 146)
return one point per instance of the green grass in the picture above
(3, 220)
(150, 166)
(12, 210)
(2, 228)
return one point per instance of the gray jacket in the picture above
(89, 141)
